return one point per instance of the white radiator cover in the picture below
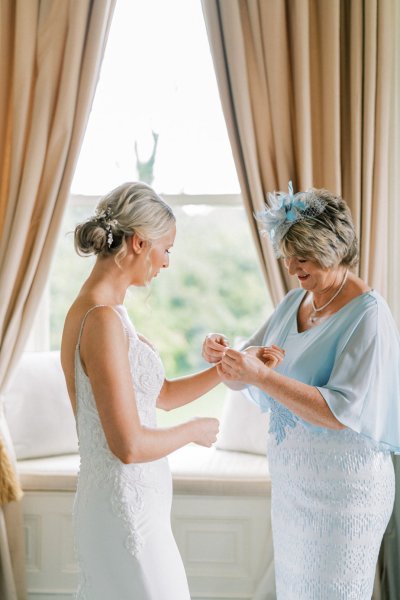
(225, 542)
(220, 518)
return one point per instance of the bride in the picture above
(115, 381)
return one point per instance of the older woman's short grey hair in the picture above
(328, 239)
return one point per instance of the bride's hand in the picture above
(271, 356)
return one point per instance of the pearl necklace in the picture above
(314, 316)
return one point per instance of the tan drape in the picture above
(389, 559)
(305, 90)
(50, 56)
(394, 183)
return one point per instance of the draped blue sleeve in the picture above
(274, 331)
(352, 358)
(363, 390)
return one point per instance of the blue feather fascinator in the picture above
(286, 209)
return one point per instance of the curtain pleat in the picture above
(50, 57)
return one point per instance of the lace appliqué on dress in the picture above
(148, 374)
(280, 419)
(127, 500)
(99, 467)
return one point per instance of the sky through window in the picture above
(157, 76)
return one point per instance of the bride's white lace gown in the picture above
(124, 543)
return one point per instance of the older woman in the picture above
(334, 402)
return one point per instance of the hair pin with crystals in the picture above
(285, 209)
(104, 217)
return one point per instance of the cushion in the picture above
(37, 408)
(243, 426)
(195, 470)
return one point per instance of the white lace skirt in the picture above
(332, 497)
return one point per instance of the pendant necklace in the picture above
(314, 315)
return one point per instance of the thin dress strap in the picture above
(89, 311)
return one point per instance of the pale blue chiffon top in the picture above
(352, 358)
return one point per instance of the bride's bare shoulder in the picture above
(74, 315)
(72, 324)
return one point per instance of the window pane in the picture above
(157, 76)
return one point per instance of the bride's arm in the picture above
(181, 391)
(104, 356)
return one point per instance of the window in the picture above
(157, 117)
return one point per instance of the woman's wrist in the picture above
(263, 376)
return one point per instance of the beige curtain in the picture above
(50, 56)
(393, 239)
(305, 89)
(390, 551)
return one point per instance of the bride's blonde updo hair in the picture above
(128, 209)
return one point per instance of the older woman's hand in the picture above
(214, 347)
(241, 366)
(272, 356)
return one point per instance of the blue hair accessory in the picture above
(286, 209)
